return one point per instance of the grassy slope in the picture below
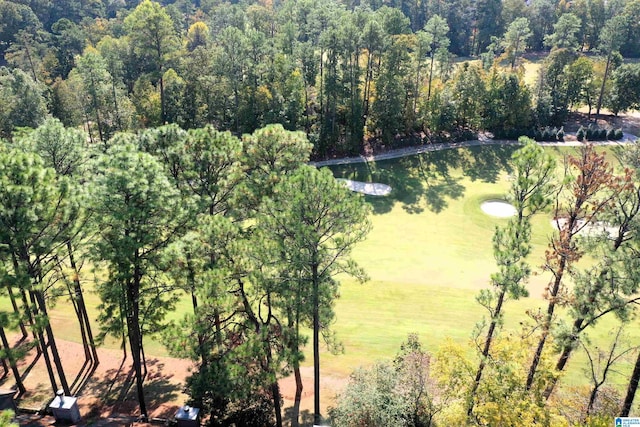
(428, 255)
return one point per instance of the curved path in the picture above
(408, 151)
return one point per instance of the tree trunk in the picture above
(592, 399)
(367, 88)
(201, 349)
(5, 367)
(81, 304)
(115, 103)
(631, 389)
(417, 88)
(295, 422)
(76, 308)
(52, 344)
(16, 310)
(42, 346)
(430, 76)
(12, 362)
(321, 87)
(28, 52)
(485, 351)
(316, 343)
(275, 391)
(94, 99)
(25, 301)
(604, 80)
(163, 113)
(275, 388)
(546, 326)
(579, 324)
(133, 327)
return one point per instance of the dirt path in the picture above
(107, 397)
(106, 392)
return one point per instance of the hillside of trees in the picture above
(348, 74)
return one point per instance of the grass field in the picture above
(428, 255)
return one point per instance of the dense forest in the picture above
(348, 74)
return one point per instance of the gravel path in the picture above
(409, 151)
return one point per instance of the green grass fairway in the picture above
(428, 255)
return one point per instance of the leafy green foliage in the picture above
(23, 103)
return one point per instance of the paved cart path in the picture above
(409, 151)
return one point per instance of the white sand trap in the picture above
(498, 208)
(591, 229)
(370, 188)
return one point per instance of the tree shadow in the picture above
(429, 181)
(305, 417)
(117, 394)
(439, 186)
(486, 163)
(84, 375)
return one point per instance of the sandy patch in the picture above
(370, 188)
(498, 208)
(107, 396)
(106, 393)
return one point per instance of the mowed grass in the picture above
(428, 255)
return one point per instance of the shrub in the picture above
(580, 134)
(531, 133)
(560, 134)
(611, 134)
(602, 134)
(537, 135)
(618, 134)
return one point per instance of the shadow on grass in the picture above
(429, 180)
(486, 163)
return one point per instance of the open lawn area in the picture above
(428, 255)
(430, 252)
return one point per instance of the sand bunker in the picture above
(498, 208)
(370, 188)
(589, 229)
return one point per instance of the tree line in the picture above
(347, 74)
(243, 228)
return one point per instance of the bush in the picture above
(390, 394)
(611, 134)
(531, 133)
(560, 134)
(618, 135)
(580, 134)
(537, 135)
(602, 134)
